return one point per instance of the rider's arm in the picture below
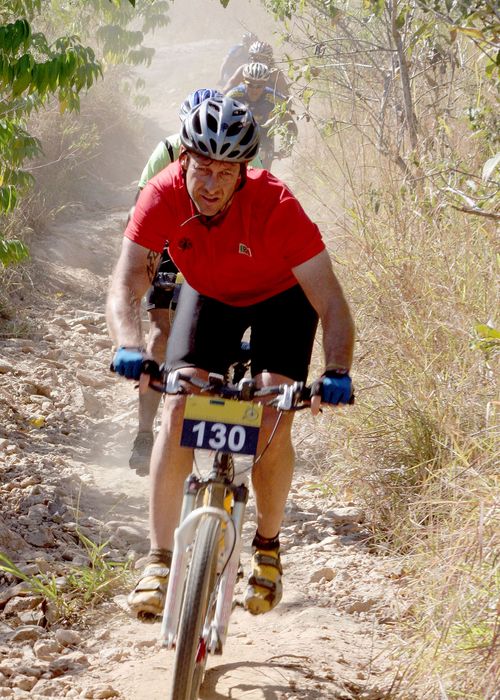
(224, 69)
(317, 279)
(131, 278)
(279, 84)
(282, 84)
(235, 79)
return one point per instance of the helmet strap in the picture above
(243, 177)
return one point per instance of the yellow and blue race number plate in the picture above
(211, 423)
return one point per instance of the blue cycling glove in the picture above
(128, 362)
(336, 388)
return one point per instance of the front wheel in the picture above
(191, 650)
(266, 151)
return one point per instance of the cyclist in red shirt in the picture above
(252, 259)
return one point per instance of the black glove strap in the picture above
(335, 373)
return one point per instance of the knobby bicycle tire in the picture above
(188, 668)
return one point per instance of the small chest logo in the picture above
(185, 244)
(244, 250)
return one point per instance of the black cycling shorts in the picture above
(207, 333)
(156, 297)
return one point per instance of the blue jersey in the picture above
(237, 56)
(261, 108)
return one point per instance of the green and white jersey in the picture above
(165, 153)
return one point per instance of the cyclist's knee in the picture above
(172, 413)
(281, 431)
(159, 330)
(160, 320)
(157, 344)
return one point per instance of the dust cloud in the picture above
(190, 51)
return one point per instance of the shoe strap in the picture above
(262, 583)
(260, 558)
(155, 570)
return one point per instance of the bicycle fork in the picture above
(215, 630)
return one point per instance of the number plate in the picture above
(219, 424)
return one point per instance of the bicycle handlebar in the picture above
(287, 397)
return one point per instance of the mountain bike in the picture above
(224, 418)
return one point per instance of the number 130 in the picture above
(220, 436)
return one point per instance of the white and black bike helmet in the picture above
(221, 129)
(257, 73)
(261, 51)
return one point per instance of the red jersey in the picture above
(244, 258)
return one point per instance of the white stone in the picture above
(325, 573)
(67, 638)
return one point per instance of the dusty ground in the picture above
(66, 426)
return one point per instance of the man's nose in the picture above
(211, 182)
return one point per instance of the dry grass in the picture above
(420, 449)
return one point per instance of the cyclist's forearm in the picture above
(124, 317)
(338, 335)
(133, 274)
(325, 293)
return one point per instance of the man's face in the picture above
(254, 91)
(210, 183)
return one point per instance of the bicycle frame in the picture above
(207, 541)
(216, 632)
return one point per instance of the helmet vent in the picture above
(197, 124)
(246, 138)
(234, 129)
(212, 123)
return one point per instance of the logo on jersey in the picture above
(244, 250)
(185, 244)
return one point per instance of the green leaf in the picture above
(487, 332)
(374, 7)
(306, 97)
(12, 252)
(8, 198)
(474, 33)
(401, 19)
(490, 165)
(21, 83)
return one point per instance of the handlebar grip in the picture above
(309, 391)
(306, 393)
(152, 368)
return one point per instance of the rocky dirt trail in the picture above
(66, 429)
